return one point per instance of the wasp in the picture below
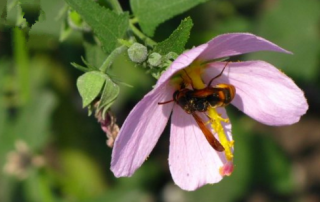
(199, 100)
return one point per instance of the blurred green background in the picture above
(64, 152)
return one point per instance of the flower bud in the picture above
(138, 53)
(155, 59)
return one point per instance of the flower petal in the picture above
(262, 91)
(192, 161)
(227, 45)
(141, 131)
(184, 60)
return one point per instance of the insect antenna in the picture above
(218, 74)
(188, 78)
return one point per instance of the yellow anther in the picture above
(218, 128)
(208, 122)
(231, 143)
(224, 120)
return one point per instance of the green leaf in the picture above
(177, 40)
(108, 26)
(292, 24)
(152, 13)
(47, 25)
(109, 94)
(94, 54)
(31, 11)
(65, 31)
(90, 85)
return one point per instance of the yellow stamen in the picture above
(194, 73)
(216, 120)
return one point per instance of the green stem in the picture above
(108, 62)
(22, 64)
(134, 20)
(116, 6)
(139, 34)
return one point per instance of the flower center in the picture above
(215, 118)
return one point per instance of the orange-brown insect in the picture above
(199, 100)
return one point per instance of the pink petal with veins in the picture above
(141, 131)
(227, 45)
(262, 91)
(192, 161)
(184, 60)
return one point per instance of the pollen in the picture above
(216, 125)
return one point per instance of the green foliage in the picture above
(37, 188)
(152, 13)
(31, 11)
(293, 25)
(94, 54)
(3, 11)
(84, 176)
(36, 132)
(93, 84)
(22, 62)
(279, 178)
(89, 86)
(108, 26)
(109, 94)
(177, 40)
(6, 141)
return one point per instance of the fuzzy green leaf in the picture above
(151, 13)
(109, 94)
(31, 11)
(177, 40)
(94, 54)
(90, 85)
(108, 26)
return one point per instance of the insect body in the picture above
(199, 100)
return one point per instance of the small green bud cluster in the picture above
(155, 62)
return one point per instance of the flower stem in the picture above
(108, 62)
(139, 34)
(22, 64)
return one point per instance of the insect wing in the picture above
(207, 133)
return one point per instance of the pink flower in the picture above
(262, 92)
